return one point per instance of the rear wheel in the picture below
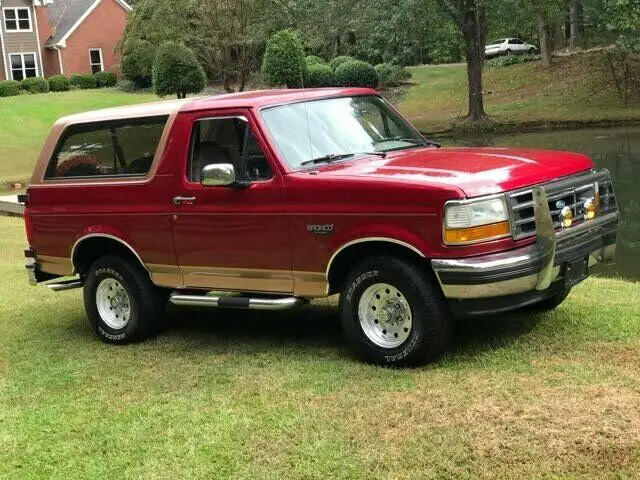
(508, 52)
(122, 303)
(392, 313)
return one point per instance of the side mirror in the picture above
(218, 175)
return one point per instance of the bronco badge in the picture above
(321, 229)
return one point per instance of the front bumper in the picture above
(533, 268)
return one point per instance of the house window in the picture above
(23, 65)
(95, 60)
(17, 19)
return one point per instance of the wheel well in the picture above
(347, 258)
(91, 249)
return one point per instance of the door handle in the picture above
(184, 200)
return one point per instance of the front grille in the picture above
(570, 192)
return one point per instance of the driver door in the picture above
(231, 237)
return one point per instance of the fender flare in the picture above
(107, 236)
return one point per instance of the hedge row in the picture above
(344, 71)
(57, 83)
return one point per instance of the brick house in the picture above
(47, 37)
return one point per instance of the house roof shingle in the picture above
(64, 14)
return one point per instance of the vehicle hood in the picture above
(475, 171)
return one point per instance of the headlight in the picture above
(473, 221)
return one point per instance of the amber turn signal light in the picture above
(476, 234)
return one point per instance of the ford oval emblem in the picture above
(560, 204)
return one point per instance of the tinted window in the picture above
(227, 140)
(107, 150)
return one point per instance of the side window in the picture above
(118, 149)
(227, 140)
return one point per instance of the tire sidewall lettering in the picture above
(358, 281)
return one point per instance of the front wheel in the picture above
(393, 314)
(122, 304)
(532, 51)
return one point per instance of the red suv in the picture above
(273, 198)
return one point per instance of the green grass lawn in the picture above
(25, 122)
(231, 394)
(575, 88)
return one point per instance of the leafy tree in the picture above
(283, 62)
(177, 71)
(137, 62)
(226, 35)
(622, 19)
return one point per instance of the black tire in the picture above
(508, 52)
(431, 321)
(551, 303)
(532, 51)
(145, 302)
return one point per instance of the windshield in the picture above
(317, 131)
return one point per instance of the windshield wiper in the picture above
(333, 157)
(414, 141)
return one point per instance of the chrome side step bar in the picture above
(251, 303)
(66, 285)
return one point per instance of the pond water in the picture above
(616, 149)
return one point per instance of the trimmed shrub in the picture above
(59, 83)
(9, 88)
(319, 75)
(176, 71)
(385, 75)
(336, 62)
(391, 75)
(137, 63)
(83, 82)
(35, 85)
(356, 74)
(508, 60)
(314, 60)
(283, 62)
(105, 79)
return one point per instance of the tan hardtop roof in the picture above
(251, 99)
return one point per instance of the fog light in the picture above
(566, 217)
(590, 209)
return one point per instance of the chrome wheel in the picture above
(113, 303)
(385, 315)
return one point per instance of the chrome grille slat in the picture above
(571, 190)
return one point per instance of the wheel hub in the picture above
(385, 315)
(112, 301)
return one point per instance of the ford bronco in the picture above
(264, 200)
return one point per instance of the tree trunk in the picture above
(558, 35)
(544, 38)
(574, 23)
(473, 31)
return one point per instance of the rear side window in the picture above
(112, 149)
